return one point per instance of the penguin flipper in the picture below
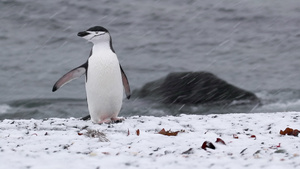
(125, 83)
(71, 75)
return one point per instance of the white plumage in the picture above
(104, 88)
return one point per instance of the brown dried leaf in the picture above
(275, 146)
(128, 133)
(204, 145)
(106, 153)
(235, 136)
(168, 133)
(208, 144)
(138, 132)
(289, 131)
(253, 136)
(219, 140)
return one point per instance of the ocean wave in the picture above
(286, 106)
(4, 108)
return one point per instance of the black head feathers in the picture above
(97, 29)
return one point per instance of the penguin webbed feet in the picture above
(111, 120)
(117, 120)
(106, 121)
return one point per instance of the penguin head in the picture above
(95, 34)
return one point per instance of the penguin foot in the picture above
(111, 120)
(106, 121)
(117, 120)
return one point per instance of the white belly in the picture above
(104, 87)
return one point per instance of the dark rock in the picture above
(194, 88)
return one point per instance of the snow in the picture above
(72, 143)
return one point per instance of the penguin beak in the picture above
(82, 34)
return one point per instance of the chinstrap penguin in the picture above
(105, 77)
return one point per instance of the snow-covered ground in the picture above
(252, 141)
